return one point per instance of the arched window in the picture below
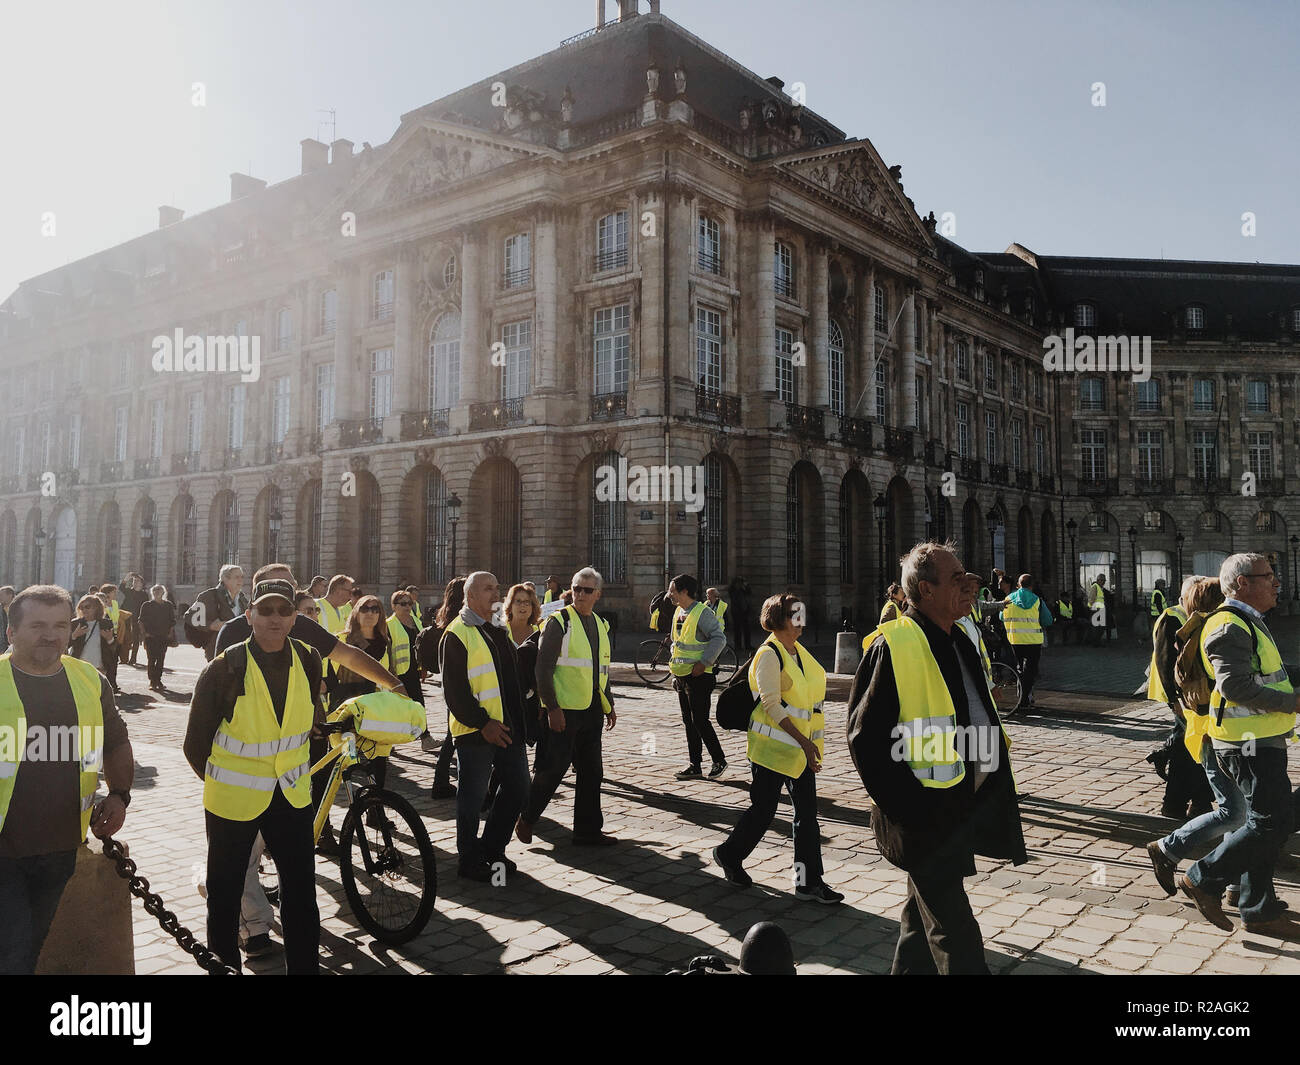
(505, 534)
(607, 536)
(836, 367)
(228, 533)
(449, 271)
(112, 542)
(187, 555)
(444, 362)
(436, 538)
(713, 523)
(793, 530)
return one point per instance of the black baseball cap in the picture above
(279, 589)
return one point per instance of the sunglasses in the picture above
(267, 609)
(371, 609)
(578, 590)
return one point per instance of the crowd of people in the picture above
(521, 669)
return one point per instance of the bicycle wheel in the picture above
(725, 666)
(1006, 688)
(387, 865)
(652, 662)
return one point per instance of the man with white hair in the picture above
(1252, 714)
(219, 604)
(573, 687)
(927, 742)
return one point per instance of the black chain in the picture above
(153, 906)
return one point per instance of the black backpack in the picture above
(664, 622)
(736, 705)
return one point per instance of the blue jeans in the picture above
(474, 761)
(1228, 816)
(1250, 852)
(30, 889)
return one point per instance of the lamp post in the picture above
(1133, 546)
(1178, 542)
(1072, 527)
(146, 549)
(40, 545)
(1295, 587)
(453, 515)
(274, 523)
(878, 506)
(992, 518)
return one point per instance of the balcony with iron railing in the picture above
(274, 453)
(806, 422)
(710, 264)
(721, 407)
(110, 471)
(1098, 486)
(998, 473)
(146, 468)
(608, 405)
(381, 310)
(1267, 484)
(1146, 485)
(615, 259)
(424, 426)
(898, 442)
(1046, 482)
(34, 481)
(185, 462)
(69, 477)
(855, 432)
(935, 455)
(784, 286)
(314, 444)
(970, 469)
(1024, 479)
(521, 278)
(11, 485)
(358, 431)
(234, 458)
(1213, 484)
(500, 414)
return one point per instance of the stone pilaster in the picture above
(817, 339)
(907, 363)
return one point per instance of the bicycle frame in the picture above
(344, 756)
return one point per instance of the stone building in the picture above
(630, 249)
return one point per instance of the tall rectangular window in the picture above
(280, 411)
(156, 414)
(1203, 395)
(1040, 449)
(47, 445)
(786, 390)
(324, 395)
(881, 312)
(990, 436)
(1205, 464)
(123, 375)
(922, 404)
(381, 306)
(73, 457)
(1092, 396)
(611, 241)
(1259, 449)
(783, 270)
(19, 450)
(516, 375)
(283, 329)
(1148, 396)
(518, 261)
(1257, 395)
(611, 330)
(327, 320)
(194, 424)
(708, 349)
(963, 361)
(119, 434)
(1038, 388)
(381, 384)
(1092, 454)
(990, 372)
(709, 245)
(235, 416)
(963, 430)
(1151, 455)
(444, 363)
(1017, 444)
(882, 391)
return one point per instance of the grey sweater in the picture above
(1237, 676)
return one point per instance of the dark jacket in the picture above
(158, 619)
(78, 642)
(1166, 653)
(912, 822)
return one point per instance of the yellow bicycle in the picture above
(386, 861)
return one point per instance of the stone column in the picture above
(867, 340)
(546, 288)
(761, 240)
(476, 369)
(678, 206)
(907, 363)
(649, 343)
(817, 337)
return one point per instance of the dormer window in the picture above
(1195, 318)
(1085, 316)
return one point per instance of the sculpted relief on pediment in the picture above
(426, 168)
(851, 178)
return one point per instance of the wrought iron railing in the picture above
(717, 406)
(805, 421)
(185, 462)
(609, 405)
(498, 415)
(108, 471)
(898, 442)
(431, 423)
(611, 260)
(998, 473)
(147, 468)
(1099, 486)
(855, 432)
(970, 469)
(517, 278)
(361, 431)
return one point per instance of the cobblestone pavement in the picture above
(1086, 901)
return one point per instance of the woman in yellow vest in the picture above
(552, 590)
(895, 600)
(785, 751)
(367, 630)
(403, 631)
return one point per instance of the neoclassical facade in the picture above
(630, 248)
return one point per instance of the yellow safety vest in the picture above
(114, 612)
(1022, 624)
(686, 651)
(549, 597)
(86, 683)
(1066, 610)
(573, 677)
(721, 611)
(1157, 610)
(482, 672)
(332, 618)
(416, 616)
(969, 627)
(769, 745)
(345, 611)
(1096, 595)
(927, 719)
(1240, 722)
(1155, 688)
(399, 647)
(253, 754)
(976, 614)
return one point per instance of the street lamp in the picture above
(275, 522)
(1133, 545)
(1178, 541)
(878, 507)
(1295, 546)
(40, 544)
(1072, 527)
(453, 515)
(992, 518)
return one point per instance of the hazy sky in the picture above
(988, 106)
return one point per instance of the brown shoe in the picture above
(1281, 926)
(523, 831)
(600, 839)
(1165, 868)
(1209, 905)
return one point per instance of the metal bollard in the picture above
(848, 652)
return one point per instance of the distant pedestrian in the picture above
(219, 604)
(552, 590)
(158, 622)
(697, 642)
(741, 597)
(718, 606)
(336, 604)
(895, 600)
(1026, 618)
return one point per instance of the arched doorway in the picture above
(65, 549)
(857, 536)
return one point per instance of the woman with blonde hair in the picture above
(92, 636)
(785, 750)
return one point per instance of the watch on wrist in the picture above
(125, 796)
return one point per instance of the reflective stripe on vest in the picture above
(252, 753)
(114, 612)
(686, 651)
(768, 744)
(1240, 722)
(481, 671)
(399, 646)
(86, 685)
(574, 680)
(1022, 623)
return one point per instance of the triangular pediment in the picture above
(855, 175)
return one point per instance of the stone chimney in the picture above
(315, 155)
(169, 216)
(242, 185)
(340, 149)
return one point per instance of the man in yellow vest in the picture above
(573, 688)
(416, 614)
(1025, 617)
(697, 642)
(402, 634)
(1252, 714)
(336, 605)
(718, 606)
(251, 719)
(58, 727)
(927, 742)
(485, 703)
(1156, 604)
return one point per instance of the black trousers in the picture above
(744, 638)
(288, 836)
(1027, 656)
(578, 745)
(155, 650)
(937, 932)
(764, 792)
(693, 696)
(442, 768)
